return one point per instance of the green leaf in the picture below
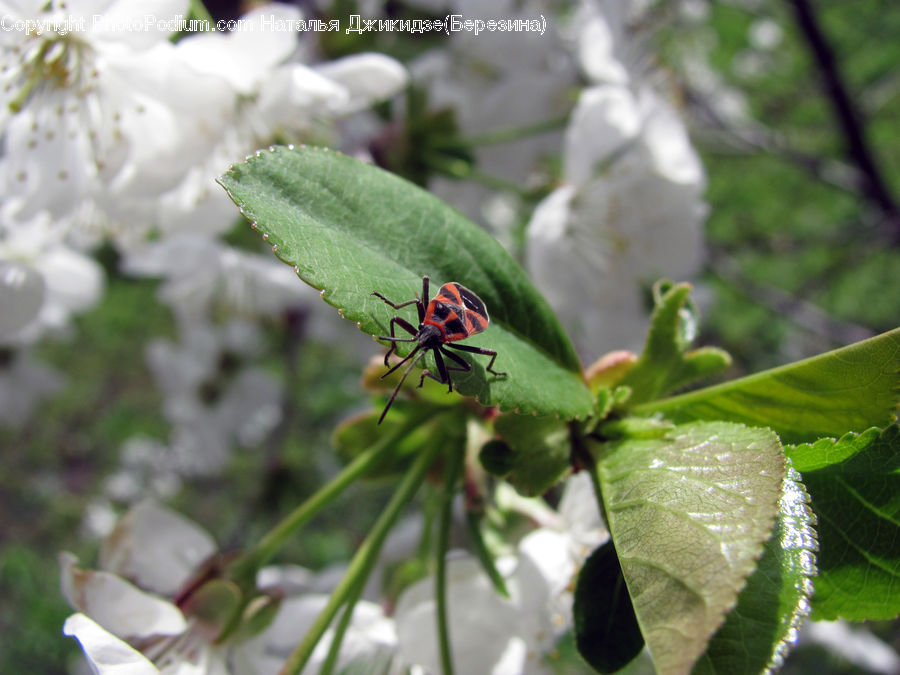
(689, 515)
(854, 485)
(849, 389)
(606, 630)
(665, 363)
(349, 229)
(539, 452)
(760, 630)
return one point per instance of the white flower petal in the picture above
(106, 654)
(117, 605)
(604, 120)
(482, 623)
(244, 57)
(597, 47)
(74, 281)
(368, 78)
(666, 139)
(157, 547)
(578, 507)
(295, 93)
(550, 565)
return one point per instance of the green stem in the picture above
(272, 542)
(440, 586)
(197, 10)
(484, 555)
(363, 560)
(343, 623)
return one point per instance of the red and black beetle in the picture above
(454, 314)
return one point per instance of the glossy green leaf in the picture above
(349, 229)
(539, 452)
(854, 486)
(606, 630)
(689, 515)
(760, 630)
(849, 389)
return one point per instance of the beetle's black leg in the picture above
(405, 325)
(463, 365)
(442, 371)
(424, 301)
(483, 352)
(419, 303)
(396, 305)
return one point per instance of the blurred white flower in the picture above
(497, 82)
(369, 643)
(493, 634)
(43, 281)
(856, 645)
(119, 131)
(210, 411)
(201, 274)
(134, 614)
(765, 34)
(272, 95)
(631, 208)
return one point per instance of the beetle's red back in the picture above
(457, 312)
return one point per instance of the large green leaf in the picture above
(849, 389)
(349, 229)
(758, 632)
(854, 485)
(689, 515)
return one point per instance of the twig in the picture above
(848, 116)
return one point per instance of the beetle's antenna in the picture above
(400, 363)
(402, 379)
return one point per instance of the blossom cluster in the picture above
(141, 610)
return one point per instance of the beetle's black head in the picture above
(429, 336)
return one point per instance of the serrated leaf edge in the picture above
(322, 291)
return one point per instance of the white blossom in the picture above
(90, 110)
(493, 634)
(501, 81)
(630, 210)
(127, 621)
(43, 282)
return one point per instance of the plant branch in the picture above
(443, 544)
(874, 186)
(275, 539)
(363, 560)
